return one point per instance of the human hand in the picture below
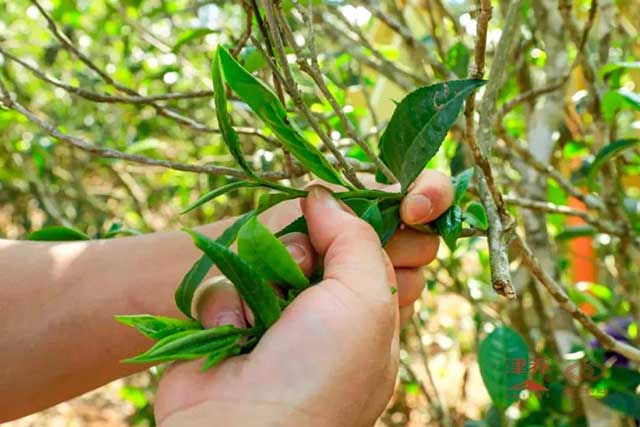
(430, 196)
(330, 360)
(289, 379)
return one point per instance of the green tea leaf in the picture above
(269, 200)
(457, 59)
(252, 287)
(191, 344)
(476, 216)
(158, 327)
(229, 235)
(449, 226)
(268, 107)
(216, 193)
(503, 357)
(419, 125)
(198, 271)
(268, 256)
(189, 36)
(576, 231)
(229, 135)
(58, 233)
(461, 183)
(367, 210)
(298, 225)
(190, 282)
(390, 211)
(607, 153)
(220, 355)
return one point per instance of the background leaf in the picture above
(457, 59)
(58, 233)
(189, 36)
(607, 153)
(498, 355)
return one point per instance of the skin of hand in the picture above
(332, 359)
(76, 288)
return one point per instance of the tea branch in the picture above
(499, 220)
(312, 68)
(558, 294)
(293, 91)
(163, 111)
(544, 206)
(408, 39)
(590, 200)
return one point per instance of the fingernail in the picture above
(416, 208)
(298, 252)
(230, 317)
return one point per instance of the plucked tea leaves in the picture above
(198, 271)
(268, 256)
(251, 286)
(158, 327)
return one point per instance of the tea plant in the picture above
(413, 136)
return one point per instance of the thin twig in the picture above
(558, 293)
(105, 98)
(590, 200)
(409, 39)
(363, 42)
(163, 111)
(499, 221)
(441, 408)
(529, 96)
(293, 90)
(313, 70)
(544, 206)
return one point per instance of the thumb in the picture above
(351, 249)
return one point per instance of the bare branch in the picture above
(413, 43)
(293, 90)
(313, 70)
(500, 222)
(558, 293)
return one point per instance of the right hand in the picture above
(331, 359)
